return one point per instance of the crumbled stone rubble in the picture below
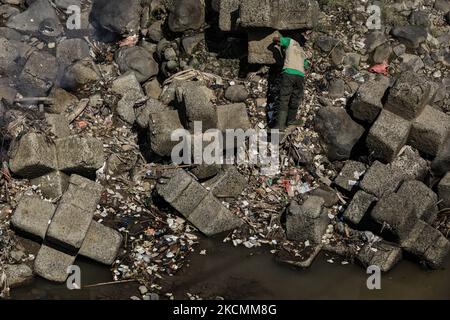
(86, 116)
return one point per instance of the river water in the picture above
(239, 273)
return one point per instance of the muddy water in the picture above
(239, 273)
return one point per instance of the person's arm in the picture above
(285, 42)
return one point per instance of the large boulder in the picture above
(39, 74)
(411, 36)
(338, 131)
(118, 16)
(137, 60)
(187, 15)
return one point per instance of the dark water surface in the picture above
(239, 273)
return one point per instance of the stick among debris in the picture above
(78, 110)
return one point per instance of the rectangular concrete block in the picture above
(359, 206)
(80, 155)
(233, 116)
(381, 254)
(410, 164)
(228, 14)
(59, 125)
(32, 156)
(409, 96)
(387, 136)
(173, 183)
(212, 217)
(367, 104)
(101, 243)
(161, 126)
(53, 184)
(350, 175)
(423, 199)
(261, 49)
(396, 215)
(229, 183)
(74, 213)
(429, 131)
(444, 191)
(381, 179)
(52, 264)
(33, 215)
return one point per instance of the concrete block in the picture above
(52, 264)
(444, 191)
(381, 254)
(359, 206)
(53, 184)
(423, 199)
(233, 116)
(350, 175)
(381, 180)
(161, 126)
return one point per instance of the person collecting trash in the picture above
(292, 82)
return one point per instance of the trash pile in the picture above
(89, 100)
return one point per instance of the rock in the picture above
(411, 62)
(18, 275)
(368, 104)
(205, 171)
(338, 131)
(74, 214)
(236, 93)
(411, 36)
(32, 216)
(155, 32)
(7, 93)
(117, 16)
(279, 14)
(229, 183)
(196, 204)
(399, 50)
(39, 14)
(349, 177)
(32, 156)
(38, 75)
(10, 34)
(374, 39)
(161, 126)
(420, 18)
(410, 165)
(129, 88)
(336, 89)
(387, 136)
(338, 55)
(329, 195)
(190, 43)
(441, 164)
(198, 107)
(79, 74)
(352, 59)
(444, 191)
(152, 88)
(80, 155)
(423, 199)
(409, 96)
(233, 116)
(59, 125)
(228, 14)
(428, 244)
(137, 60)
(53, 184)
(381, 180)
(261, 49)
(326, 43)
(186, 15)
(101, 243)
(170, 54)
(143, 113)
(396, 214)
(52, 264)
(360, 205)
(429, 131)
(442, 5)
(9, 54)
(382, 53)
(308, 221)
(62, 101)
(69, 51)
(380, 254)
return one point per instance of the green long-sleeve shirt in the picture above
(285, 42)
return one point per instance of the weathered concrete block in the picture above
(381, 254)
(74, 213)
(174, 182)
(233, 116)
(161, 126)
(52, 185)
(212, 217)
(409, 96)
(410, 164)
(429, 131)
(101, 243)
(307, 221)
(52, 264)
(228, 184)
(396, 214)
(80, 155)
(423, 199)
(367, 104)
(62, 101)
(59, 125)
(427, 243)
(18, 275)
(198, 107)
(441, 164)
(350, 175)
(444, 191)
(228, 14)
(279, 14)
(261, 49)
(33, 156)
(387, 136)
(381, 180)
(359, 206)
(33, 215)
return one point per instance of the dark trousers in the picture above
(291, 96)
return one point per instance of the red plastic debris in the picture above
(380, 68)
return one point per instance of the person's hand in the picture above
(276, 40)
